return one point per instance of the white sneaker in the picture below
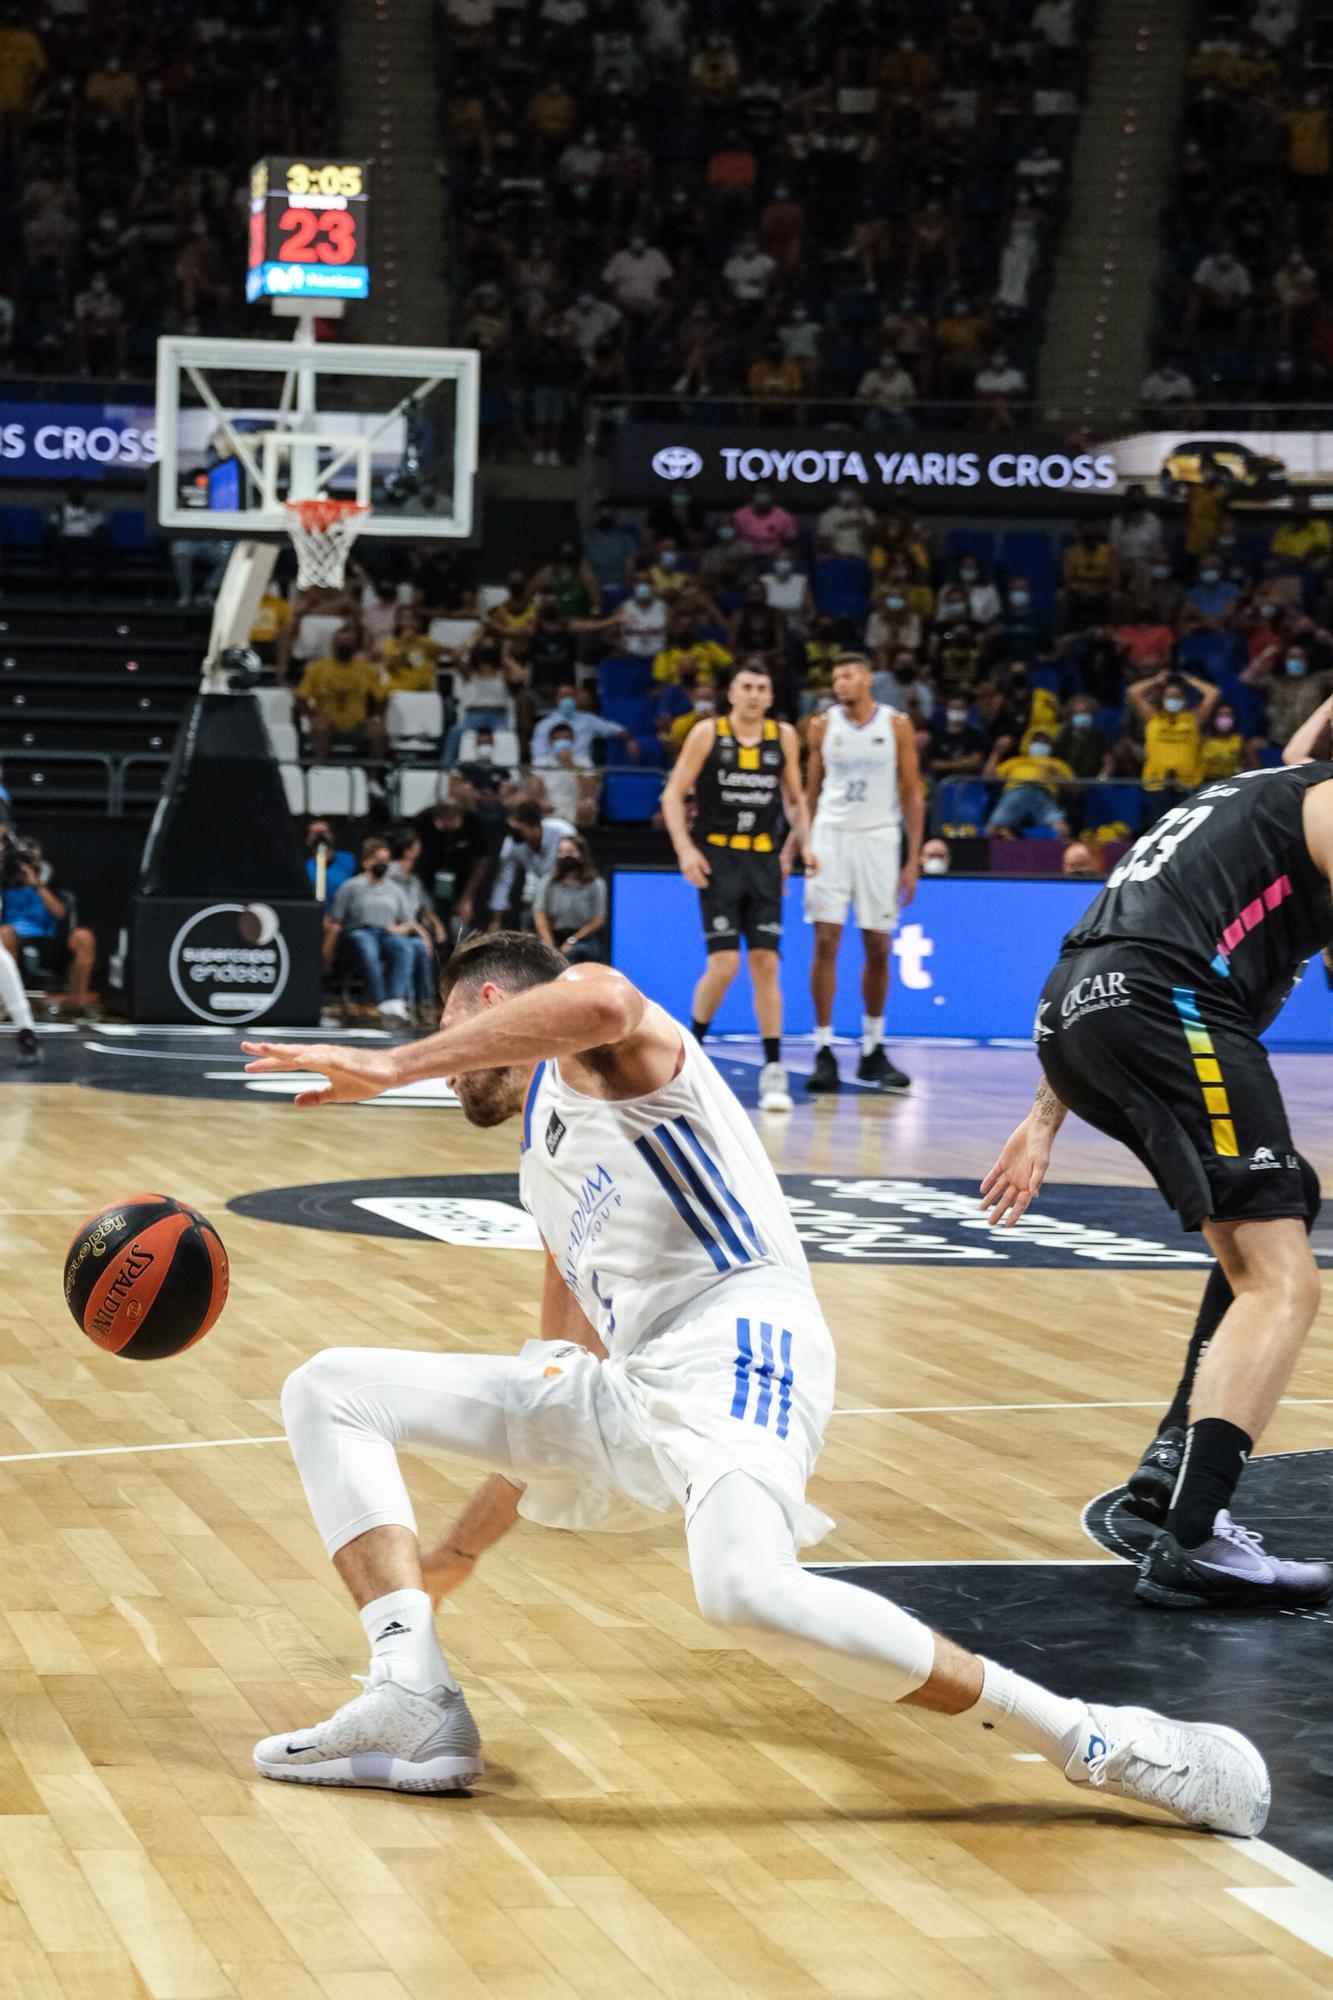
(1199, 1772)
(387, 1738)
(773, 1092)
(395, 1009)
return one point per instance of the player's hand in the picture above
(1014, 1181)
(907, 882)
(354, 1074)
(696, 868)
(443, 1569)
(809, 861)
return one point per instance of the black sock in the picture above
(1215, 1455)
(1217, 1296)
(772, 1048)
(698, 1029)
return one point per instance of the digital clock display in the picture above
(308, 230)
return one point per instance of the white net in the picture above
(322, 533)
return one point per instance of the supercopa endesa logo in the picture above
(677, 461)
(229, 962)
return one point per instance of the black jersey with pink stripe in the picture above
(1222, 891)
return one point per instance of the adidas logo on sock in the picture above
(391, 1631)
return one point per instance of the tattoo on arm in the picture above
(1048, 1107)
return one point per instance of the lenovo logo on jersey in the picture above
(1090, 996)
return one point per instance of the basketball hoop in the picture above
(322, 533)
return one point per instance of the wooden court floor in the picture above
(663, 1814)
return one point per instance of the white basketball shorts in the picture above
(745, 1386)
(857, 871)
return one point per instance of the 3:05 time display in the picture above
(331, 179)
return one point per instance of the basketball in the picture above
(146, 1277)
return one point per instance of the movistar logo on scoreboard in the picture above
(310, 281)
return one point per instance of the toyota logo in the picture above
(677, 461)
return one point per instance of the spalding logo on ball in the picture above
(146, 1278)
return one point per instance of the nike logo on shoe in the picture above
(391, 1631)
(294, 1749)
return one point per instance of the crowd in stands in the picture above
(1246, 311)
(1058, 685)
(126, 138)
(776, 202)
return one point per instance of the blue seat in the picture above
(978, 542)
(841, 587)
(1214, 652)
(624, 678)
(636, 713)
(1102, 805)
(963, 802)
(631, 795)
(128, 532)
(21, 527)
(1030, 553)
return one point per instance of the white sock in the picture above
(404, 1646)
(872, 1033)
(823, 1037)
(11, 992)
(1022, 1712)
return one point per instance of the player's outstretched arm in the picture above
(1014, 1182)
(588, 1007)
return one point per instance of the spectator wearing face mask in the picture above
(1023, 634)
(893, 626)
(764, 527)
(486, 681)
(1293, 679)
(570, 906)
(552, 648)
(516, 614)
(1031, 779)
(887, 393)
(409, 657)
(1081, 744)
(667, 571)
(1224, 750)
(339, 862)
(787, 590)
(1172, 730)
(1137, 536)
(957, 747)
(1208, 603)
(573, 708)
(527, 857)
(342, 698)
(429, 935)
(637, 627)
(373, 918)
(569, 780)
(983, 599)
(1305, 539)
(935, 857)
(608, 549)
(845, 528)
(572, 579)
(1088, 576)
(673, 729)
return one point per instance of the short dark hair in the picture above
(751, 664)
(400, 838)
(515, 960)
(527, 812)
(851, 659)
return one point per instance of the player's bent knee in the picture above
(734, 1592)
(314, 1393)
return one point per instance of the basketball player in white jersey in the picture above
(863, 789)
(684, 1365)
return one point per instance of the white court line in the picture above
(1304, 1907)
(967, 1409)
(120, 1450)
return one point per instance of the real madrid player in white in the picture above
(863, 791)
(684, 1365)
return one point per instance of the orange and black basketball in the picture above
(146, 1278)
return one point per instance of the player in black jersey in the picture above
(1149, 1029)
(745, 772)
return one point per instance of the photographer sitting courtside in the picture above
(35, 923)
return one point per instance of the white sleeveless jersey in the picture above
(650, 1203)
(860, 785)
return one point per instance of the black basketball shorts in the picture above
(743, 900)
(1166, 1067)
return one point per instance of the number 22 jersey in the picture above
(1222, 891)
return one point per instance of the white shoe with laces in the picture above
(1199, 1772)
(386, 1738)
(773, 1092)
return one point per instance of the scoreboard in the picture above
(308, 230)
